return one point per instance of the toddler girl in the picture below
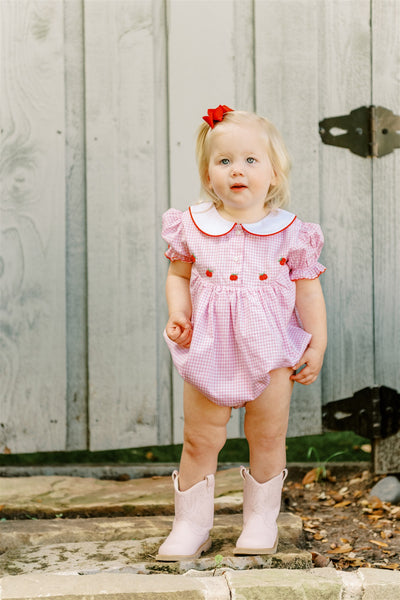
(246, 310)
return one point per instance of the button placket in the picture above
(237, 254)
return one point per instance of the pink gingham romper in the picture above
(243, 297)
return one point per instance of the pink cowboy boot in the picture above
(261, 506)
(194, 516)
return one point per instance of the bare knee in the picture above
(207, 441)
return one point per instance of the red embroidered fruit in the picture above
(263, 276)
(193, 258)
(282, 261)
(209, 273)
(233, 277)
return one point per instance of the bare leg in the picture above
(204, 437)
(265, 426)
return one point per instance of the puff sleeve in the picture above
(303, 257)
(173, 233)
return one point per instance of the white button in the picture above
(236, 259)
(239, 231)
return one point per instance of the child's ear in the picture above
(208, 181)
(274, 178)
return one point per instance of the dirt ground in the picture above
(343, 524)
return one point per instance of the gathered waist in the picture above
(235, 286)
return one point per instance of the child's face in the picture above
(239, 171)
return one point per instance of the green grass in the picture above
(234, 451)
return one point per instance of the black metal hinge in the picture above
(373, 413)
(367, 131)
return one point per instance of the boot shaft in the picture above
(262, 498)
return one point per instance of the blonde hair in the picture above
(278, 194)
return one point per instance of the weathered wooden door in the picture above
(298, 62)
(100, 101)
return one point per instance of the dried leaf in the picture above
(310, 477)
(341, 549)
(376, 516)
(375, 502)
(355, 562)
(343, 504)
(309, 529)
(380, 544)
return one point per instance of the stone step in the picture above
(49, 497)
(316, 584)
(129, 545)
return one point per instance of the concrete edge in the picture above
(138, 471)
(363, 584)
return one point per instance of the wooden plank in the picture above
(287, 59)
(32, 228)
(214, 54)
(320, 50)
(346, 202)
(122, 223)
(164, 379)
(386, 193)
(76, 257)
(386, 219)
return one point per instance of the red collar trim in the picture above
(208, 220)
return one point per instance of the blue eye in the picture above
(251, 160)
(225, 161)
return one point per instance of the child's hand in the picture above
(179, 329)
(313, 360)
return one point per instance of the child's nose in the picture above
(237, 169)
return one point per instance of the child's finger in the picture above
(306, 376)
(185, 338)
(173, 332)
(180, 334)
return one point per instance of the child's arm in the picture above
(310, 306)
(179, 326)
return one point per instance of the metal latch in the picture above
(367, 131)
(373, 413)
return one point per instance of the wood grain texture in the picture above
(210, 63)
(162, 194)
(122, 224)
(100, 105)
(345, 200)
(32, 228)
(287, 92)
(76, 242)
(200, 69)
(386, 193)
(386, 220)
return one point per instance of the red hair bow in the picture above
(214, 115)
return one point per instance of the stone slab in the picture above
(380, 584)
(29, 532)
(313, 584)
(318, 584)
(129, 545)
(47, 497)
(134, 556)
(113, 587)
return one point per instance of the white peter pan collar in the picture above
(208, 220)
